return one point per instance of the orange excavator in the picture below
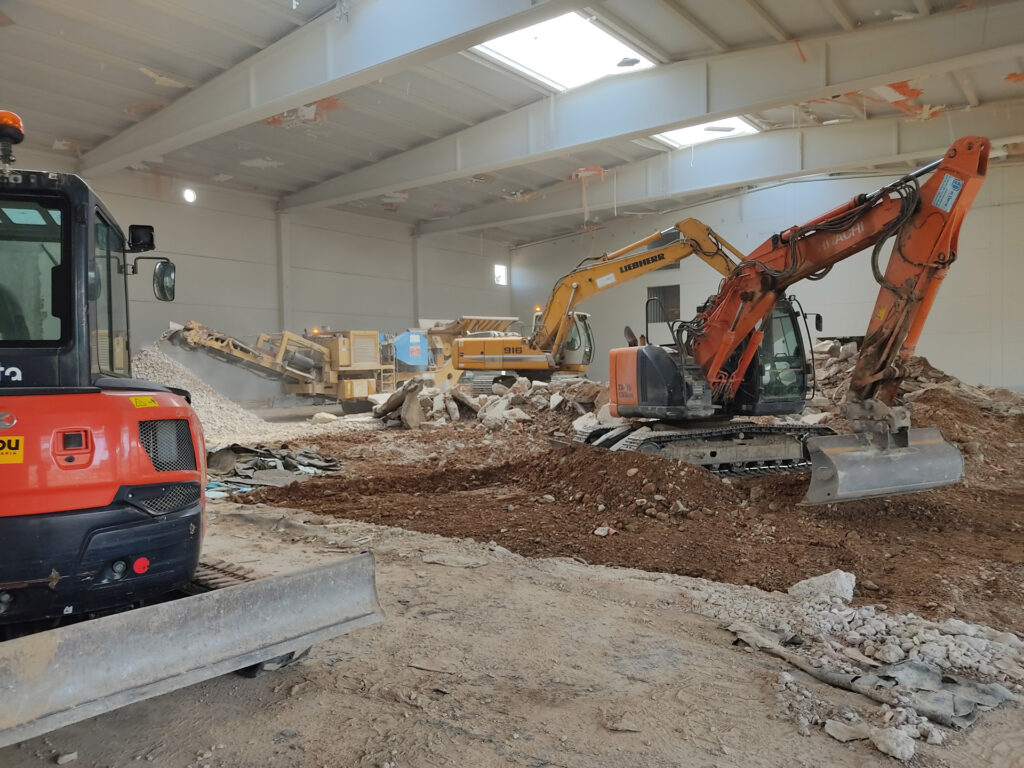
(743, 353)
(104, 598)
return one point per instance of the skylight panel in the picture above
(699, 134)
(564, 52)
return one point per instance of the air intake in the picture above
(169, 444)
(159, 500)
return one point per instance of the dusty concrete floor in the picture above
(488, 660)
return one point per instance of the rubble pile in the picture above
(835, 363)
(549, 406)
(837, 636)
(221, 417)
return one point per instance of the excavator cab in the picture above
(579, 344)
(777, 380)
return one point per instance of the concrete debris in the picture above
(844, 732)
(602, 530)
(322, 418)
(835, 365)
(518, 405)
(893, 742)
(835, 584)
(67, 757)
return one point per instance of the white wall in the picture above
(456, 276)
(970, 332)
(345, 271)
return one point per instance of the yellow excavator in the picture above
(562, 341)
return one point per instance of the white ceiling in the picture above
(84, 74)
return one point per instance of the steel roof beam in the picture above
(322, 58)
(641, 104)
(768, 21)
(748, 160)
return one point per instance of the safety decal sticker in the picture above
(12, 449)
(948, 192)
(144, 402)
(604, 280)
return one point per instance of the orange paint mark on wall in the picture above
(274, 120)
(328, 104)
(1015, 77)
(904, 89)
(800, 50)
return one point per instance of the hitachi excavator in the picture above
(562, 341)
(103, 598)
(743, 354)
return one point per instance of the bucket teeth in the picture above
(850, 467)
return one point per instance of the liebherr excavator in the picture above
(562, 341)
(743, 355)
(102, 511)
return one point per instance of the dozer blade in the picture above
(849, 467)
(58, 677)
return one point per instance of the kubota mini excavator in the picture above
(562, 341)
(103, 476)
(743, 354)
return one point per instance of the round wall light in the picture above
(189, 194)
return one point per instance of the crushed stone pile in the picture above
(225, 421)
(219, 414)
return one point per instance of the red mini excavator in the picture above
(102, 487)
(743, 353)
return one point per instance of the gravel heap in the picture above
(221, 417)
(224, 421)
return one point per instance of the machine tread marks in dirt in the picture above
(743, 354)
(103, 478)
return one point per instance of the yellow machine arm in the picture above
(593, 276)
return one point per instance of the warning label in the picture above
(144, 402)
(948, 192)
(12, 449)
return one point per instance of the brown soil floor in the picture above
(953, 551)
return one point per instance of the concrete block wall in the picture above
(970, 332)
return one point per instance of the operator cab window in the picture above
(34, 300)
(108, 301)
(782, 372)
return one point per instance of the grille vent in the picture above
(177, 496)
(168, 442)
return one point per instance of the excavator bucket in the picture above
(850, 467)
(58, 677)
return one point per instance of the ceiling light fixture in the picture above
(189, 194)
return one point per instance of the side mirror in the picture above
(818, 324)
(140, 238)
(163, 279)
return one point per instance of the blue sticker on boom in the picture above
(948, 192)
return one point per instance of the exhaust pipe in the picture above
(850, 467)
